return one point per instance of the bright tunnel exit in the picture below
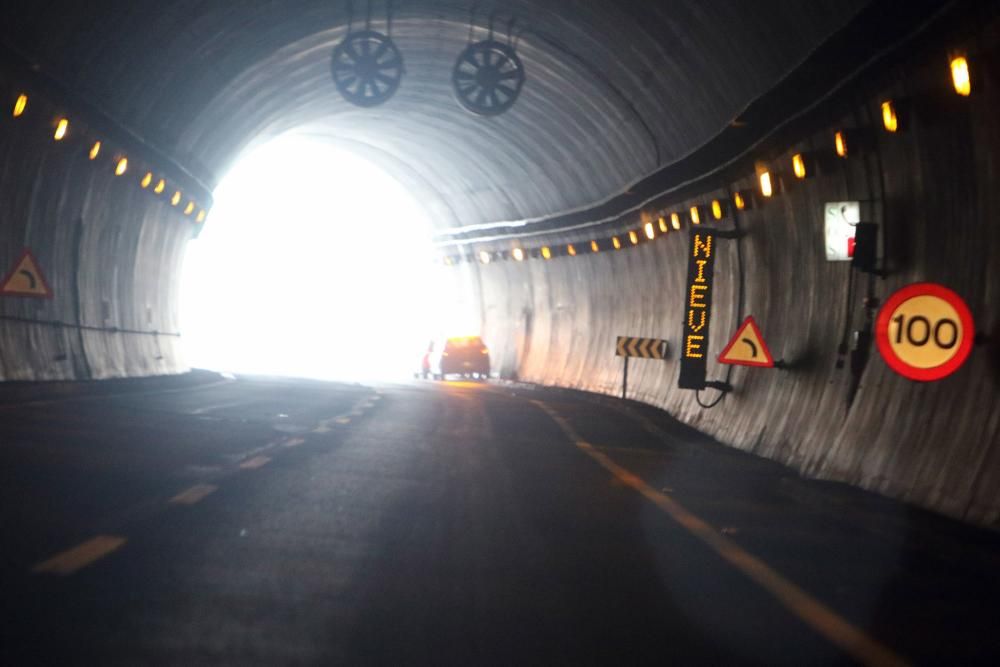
(314, 263)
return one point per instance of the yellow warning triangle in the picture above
(747, 348)
(26, 279)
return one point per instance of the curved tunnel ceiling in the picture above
(614, 89)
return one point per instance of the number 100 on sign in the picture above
(925, 332)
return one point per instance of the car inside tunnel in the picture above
(523, 331)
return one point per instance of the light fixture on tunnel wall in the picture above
(160, 186)
(718, 209)
(367, 67)
(616, 242)
(594, 247)
(664, 227)
(740, 201)
(146, 180)
(696, 215)
(95, 150)
(765, 180)
(890, 117)
(122, 166)
(571, 250)
(840, 143)
(202, 214)
(675, 220)
(488, 77)
(633, 237)
(20, 105)
(649, 230)
(62, 127)
(961, 77)
(176, 199)
(766, 188)
(518, 254)
(189, 209)
(546, 252)
(799, 166)
(485, 257)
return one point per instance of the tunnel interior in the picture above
(631, 113)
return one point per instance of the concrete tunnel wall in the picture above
(109, 250)
(933, 189)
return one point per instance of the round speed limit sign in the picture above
(924, 332)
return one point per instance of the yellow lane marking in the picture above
(356, 411)
(255, 462)
(808, 609)
(193, 495)
(80, 556)
(630, 450)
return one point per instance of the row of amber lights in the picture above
(121, 164)
(717, 209)
(961, 81)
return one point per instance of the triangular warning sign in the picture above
(25, 279)
(747, 348)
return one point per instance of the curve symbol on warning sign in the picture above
(747, 347)
(26, 278)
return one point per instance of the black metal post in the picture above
(625, 379)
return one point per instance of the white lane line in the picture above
(255, 462)
(808, 609)
(193, 495)
(293, 442)
(216, 406)
(80, 556)
(342, 420)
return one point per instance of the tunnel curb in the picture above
(20, 392)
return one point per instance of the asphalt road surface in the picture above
(282, 522)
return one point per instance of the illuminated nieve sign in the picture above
(698, 310)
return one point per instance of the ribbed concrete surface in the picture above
(613, 90)
(109, 250)
(934, 187)
(612, 87)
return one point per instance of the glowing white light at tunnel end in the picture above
(286, 280)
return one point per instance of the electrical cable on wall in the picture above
(740, 302)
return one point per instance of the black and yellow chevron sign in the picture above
(644, 348)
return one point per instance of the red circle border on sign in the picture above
(900, 366)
